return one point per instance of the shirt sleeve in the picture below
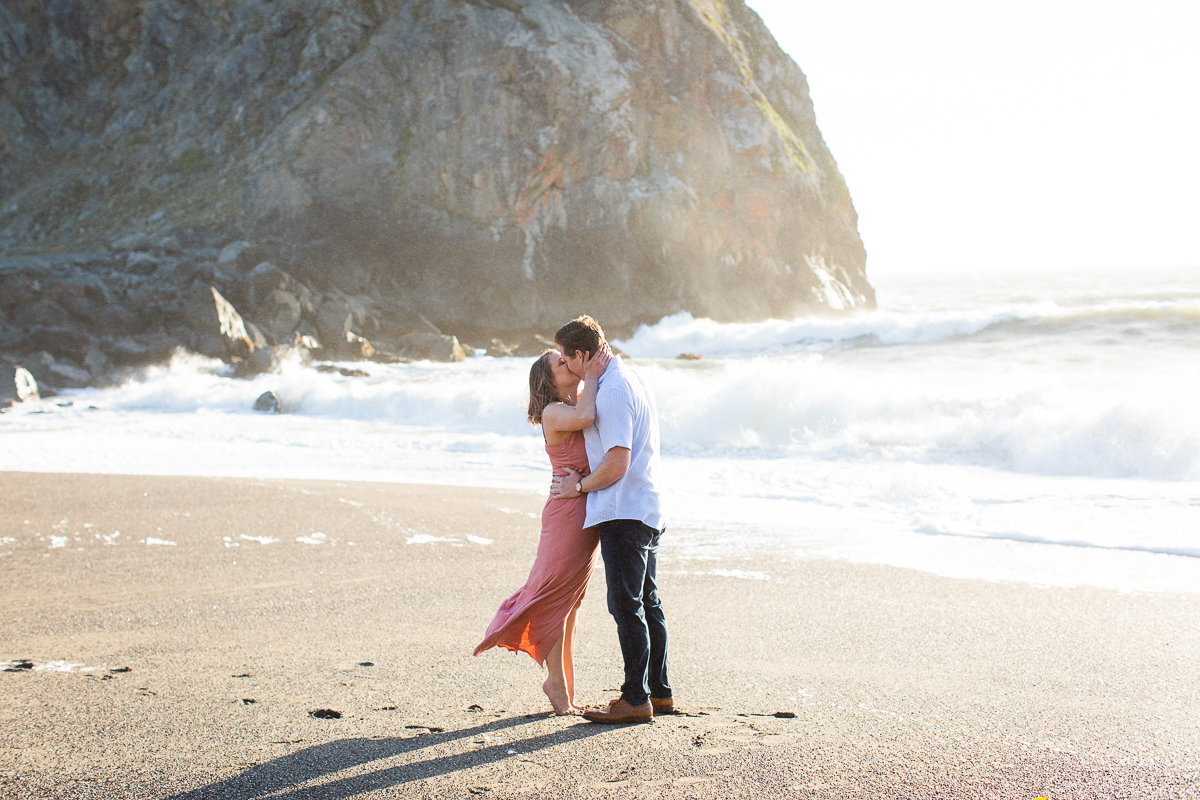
(614, 418)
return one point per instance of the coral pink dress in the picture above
(532, 619)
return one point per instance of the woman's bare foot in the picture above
(558, 698)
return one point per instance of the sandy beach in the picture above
(184, 658)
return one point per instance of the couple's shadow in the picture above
(297, 772)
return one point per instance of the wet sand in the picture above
(138, 667)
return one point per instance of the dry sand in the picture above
(190, 670)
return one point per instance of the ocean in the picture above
(1042, 428)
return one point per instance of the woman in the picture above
(540, 618)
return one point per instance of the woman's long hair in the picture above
(542, 391)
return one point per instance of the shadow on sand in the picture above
(291, 777)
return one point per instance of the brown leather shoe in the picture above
(620, 711)
(663, 705)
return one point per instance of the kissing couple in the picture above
(600, 425)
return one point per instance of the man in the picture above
(624, 502)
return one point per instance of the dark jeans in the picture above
(630, 551)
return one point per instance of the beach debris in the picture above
(474, 708)
(243, 675)
(325, 713)
(248, 701)
(785, 714)
(689, 357)
(17, 666)
(366, 663)
(387, 708)
(429, 728)
(268, 402)
(480, 789)
(120, 670)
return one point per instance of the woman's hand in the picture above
(596, 365)
(562, 487)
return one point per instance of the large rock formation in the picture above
(475, 166)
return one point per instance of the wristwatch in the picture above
(579, 487)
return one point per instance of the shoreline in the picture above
(746, 533)
(902, 682)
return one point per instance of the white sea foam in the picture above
(1035, 420)
(1042, 429)
(745, 574)
(63, 666)
(425, 538)
(683, 333)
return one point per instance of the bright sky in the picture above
(1017, 135)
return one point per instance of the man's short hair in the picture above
(582, 333)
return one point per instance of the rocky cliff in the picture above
(474, 166)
